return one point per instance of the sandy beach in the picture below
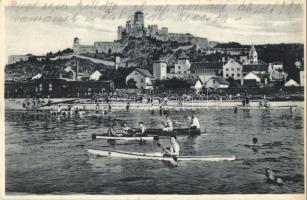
(14, 104)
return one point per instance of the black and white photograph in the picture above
(116, 98)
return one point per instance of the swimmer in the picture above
(272, 178)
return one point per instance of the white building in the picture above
(95, 76)
(197, 85)
(252, 76)
(291, 82)
(143, 78)
(183, 65)
(232, 69)
(216, 83)
(159, 70)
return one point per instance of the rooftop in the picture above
(206, 65)
(144, 72)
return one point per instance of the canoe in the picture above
(176, 131)
(158, 156)
(128, 138)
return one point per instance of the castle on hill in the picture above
(136, 28)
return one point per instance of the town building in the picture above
(159, 69)
(205, 70)
(197, 84)
(56, 88)
(142, 78)
(233, 69)
(183, 65)
(217, 83)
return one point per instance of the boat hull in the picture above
(158, 156)
(185, 131)
(146, 138)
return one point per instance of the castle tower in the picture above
(139, 18)
(253, 56)
(159, 70)
(120, 33)
(76, 45)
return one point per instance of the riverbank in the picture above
(17, 104)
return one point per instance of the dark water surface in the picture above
(44, 155)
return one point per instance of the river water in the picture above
(49, 156)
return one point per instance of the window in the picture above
(184, 72)
(238, 75)
(40, 87)
(232, 69)
(213, 81)
(238, 69)
(178, 67)
(142, 81)
(227, 75)
(178, 72)
(135, 73)
(50, 87)
(232, 75)
(226, 69)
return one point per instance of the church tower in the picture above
(253, 56)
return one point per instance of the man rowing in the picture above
(168, 127)
(194, 122)
(127, 130)
(173, 150)
(141, 130)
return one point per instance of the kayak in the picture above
(176, 131)
(129, 138)
(158, 156)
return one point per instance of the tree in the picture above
(131, 83)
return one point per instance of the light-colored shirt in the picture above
(195, 123)
(143, 129)
(175, 149)
(169, 124)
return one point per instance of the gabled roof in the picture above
(206, 65)
(220, 80)
(144, 72)
(255, 67)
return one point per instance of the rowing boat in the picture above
(129, 138)
(176, 131)
(158, 156)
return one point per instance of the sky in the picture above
(244, 23)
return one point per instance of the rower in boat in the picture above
(194, 122)
(141, 130)
(168, 127)
(127, 130)
(173, 150)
